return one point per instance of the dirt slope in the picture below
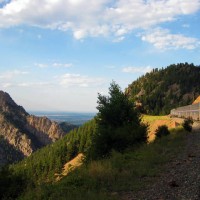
(70, 166)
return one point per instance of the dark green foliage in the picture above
(44, 163)
(11, 185)
(162, 131)
(187, 124)
(116, 110)
(66, 127)
(162, 90)
(118, 124)
(42, 166)
(97, 179)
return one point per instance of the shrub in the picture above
(187, 124)
(162, 131)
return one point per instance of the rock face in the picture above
(21, 132)
(45, 129)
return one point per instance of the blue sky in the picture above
(56, 55)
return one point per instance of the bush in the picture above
(187, 124)
(162, 131)
(11, 185)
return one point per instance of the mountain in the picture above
(20, 133)
(163, 89)
(45, 163)
(67, 127)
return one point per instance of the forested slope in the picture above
(43, 164)
(163, 89)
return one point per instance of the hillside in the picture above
(118, 176)
(114, 174)
(22, 134)
(67, 127)
(161, 90)
(155, 121)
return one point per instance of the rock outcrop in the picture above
(22, 132)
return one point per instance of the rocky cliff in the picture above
(21, 132)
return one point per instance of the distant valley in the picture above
(76, 118)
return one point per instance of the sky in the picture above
(57, 55)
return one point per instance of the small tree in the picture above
(118, 124)
(187, 124)
(162, 131)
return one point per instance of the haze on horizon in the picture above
(56, 55)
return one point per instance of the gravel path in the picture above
(181, 180)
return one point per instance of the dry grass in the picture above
(71, 166)
(155, 121)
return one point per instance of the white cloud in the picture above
(119, 39)
(6, 85)
(186, 26)
(23, 84)
(41, 65)
(54, 64)
(163, 39)
(12, 74)
(66, 65)
(33, 84)
(137, 69)
(4, 1)
(79, 34)
(69, 80)
(14, 84)
(13, 79)
(95, 18)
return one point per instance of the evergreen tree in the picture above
(118, 124)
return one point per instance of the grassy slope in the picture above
(108, 178)
(155, 121)
(151, 119)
